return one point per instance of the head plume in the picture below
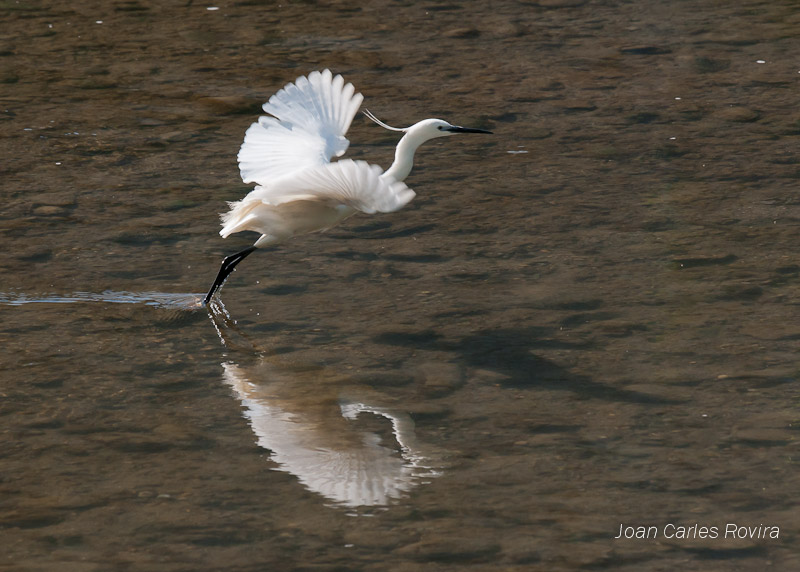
(372, 117)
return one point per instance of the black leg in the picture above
(228, 264)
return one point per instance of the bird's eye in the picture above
(439, 127)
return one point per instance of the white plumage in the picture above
(310, 119)
(298, 190)
(289, 155)
(315, 435)
(328, 192)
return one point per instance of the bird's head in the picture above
(428, 128)
(432, 128)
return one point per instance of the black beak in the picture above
(457, 129)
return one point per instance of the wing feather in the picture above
(356, 184)
(309, 120)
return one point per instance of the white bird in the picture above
(315, 436)
(298, 189)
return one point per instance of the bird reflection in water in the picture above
(337, 436)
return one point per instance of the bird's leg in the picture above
(228, 264)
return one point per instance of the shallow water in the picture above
(585, 321)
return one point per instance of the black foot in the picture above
(228, 265)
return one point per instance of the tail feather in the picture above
(238, 218)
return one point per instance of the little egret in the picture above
(298, 190)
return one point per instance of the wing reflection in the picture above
(330, 440)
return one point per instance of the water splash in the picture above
(175, 301)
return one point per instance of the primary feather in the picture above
(309, 120)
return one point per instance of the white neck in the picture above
(404, 155)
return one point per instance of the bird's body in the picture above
(299, 191)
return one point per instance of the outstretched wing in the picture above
(309, 120)
(356, 184)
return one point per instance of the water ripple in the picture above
(183, 301)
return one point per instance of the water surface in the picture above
(587, 320)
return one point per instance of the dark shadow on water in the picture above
(285, 289)
(381, 230)
(414, 258)
(728, 553)
(510, 353)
